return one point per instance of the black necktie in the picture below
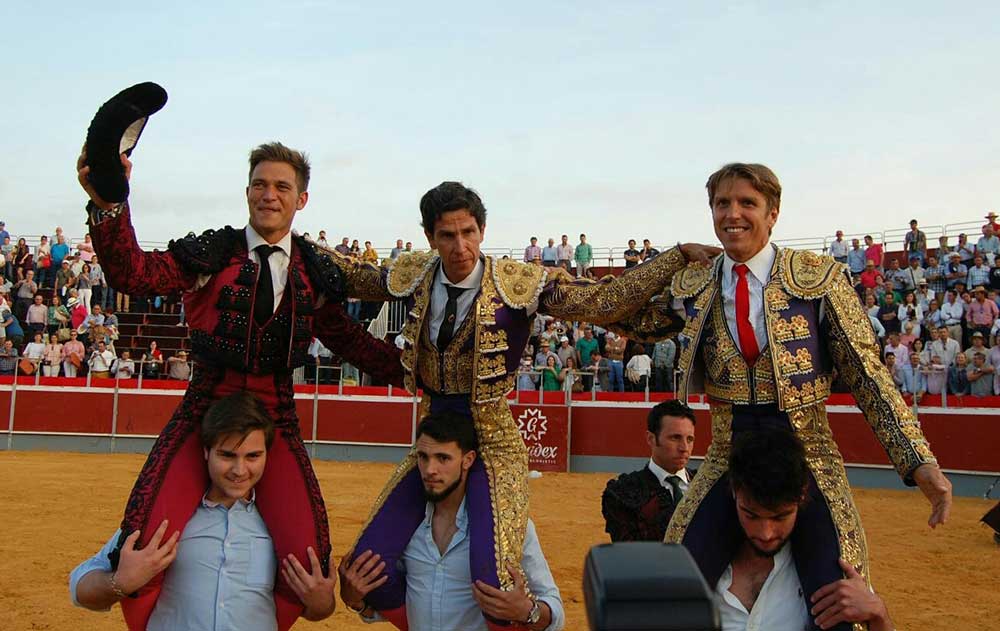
(447, 330)
(263, 304)
(675, 482)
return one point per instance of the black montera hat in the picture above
(114, 130)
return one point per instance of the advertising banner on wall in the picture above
(545, 430)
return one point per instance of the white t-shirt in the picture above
(779, 607)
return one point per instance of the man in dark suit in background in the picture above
(637, 506)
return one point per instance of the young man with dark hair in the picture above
(469, 319)
(637, 506)
(221, 570)
(773, 496)
(438, 555)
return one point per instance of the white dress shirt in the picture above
(277, 262)
(760, 272)
(439, 297)
(662, 475)
(780, 606)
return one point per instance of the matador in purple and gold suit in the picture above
(472, 376)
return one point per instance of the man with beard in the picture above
(774, 503)
(436, 559)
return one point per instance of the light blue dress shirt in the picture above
(223, 576)
(856, 260)
(439, 587)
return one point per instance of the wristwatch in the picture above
(535, 614)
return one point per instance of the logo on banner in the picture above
(533, 425)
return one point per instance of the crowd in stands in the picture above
(59, 316)
(935, 311)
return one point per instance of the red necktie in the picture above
(748, 341)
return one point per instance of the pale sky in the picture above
(567, 117)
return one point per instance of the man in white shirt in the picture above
(945, 347)
(100, 361)
(760, 588)
(838, 248)
(436, 559)
(637, 506)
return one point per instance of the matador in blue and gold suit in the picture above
(815, 326)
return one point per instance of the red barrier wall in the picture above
(963, 438)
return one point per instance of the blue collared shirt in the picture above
(223, 576)
(856, 260)
(439, 587)
(914, 380)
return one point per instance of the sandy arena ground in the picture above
(56, 509)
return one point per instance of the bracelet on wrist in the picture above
(360, 609)
(116, 588)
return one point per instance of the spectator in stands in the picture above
(65, 279)
(632, 256)
(526, 380)
(152, 361)
(585, 346)
(7, 249)
(98, 283)
(888, 314)
(988, 245)
(915, 273)
(43, 261)
(550, 254)
(321, 240)
(571, 380)
(915, 242)
(614, 347)
(52, 357)
(934, 318)
(876, 325)
(370, 254)
(35, 350)
(935, 274)
(891, 365)
(85, 249)
(37, 317)
(838, 248)
(8, 358)
(354, 308)
(978, 345)
(85, 286)
(111, 325)
(3, 232)
(178, 366)
(72, 354)
(980, 376)
(639, 369)
(343, 247)
(100, 361)
(955, 272)
(871, 277)
(408, 247)
(918, 346)
(914, 380)
(77, 312)
(550, 374)
(396, 251)
(532, 252)
(637, 506)
(58, 316)
(601, 370)
(901, 281)
(958, 376)
(965, 250)
(924, 295)
(896, 347)
(981, 313)
(564, 253)
(907, 337)
(937, 376)
(856, 259)
(910, 312)
(12, 328)
(24, 294)
(979, 273)
(355, 249)
(943, 250)
(993, 359)
(953, 313)
(544, 353)
(565, 350)
(995, 275)
(22, 259)
(873, 251)
(648, 251)
(945, 347)
(991, 221)
(584, 256)
(92, 322)
(664, 353)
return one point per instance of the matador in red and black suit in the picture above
(218, 277)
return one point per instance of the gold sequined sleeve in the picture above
(855, 353)
(610, 299)
(362, 279)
